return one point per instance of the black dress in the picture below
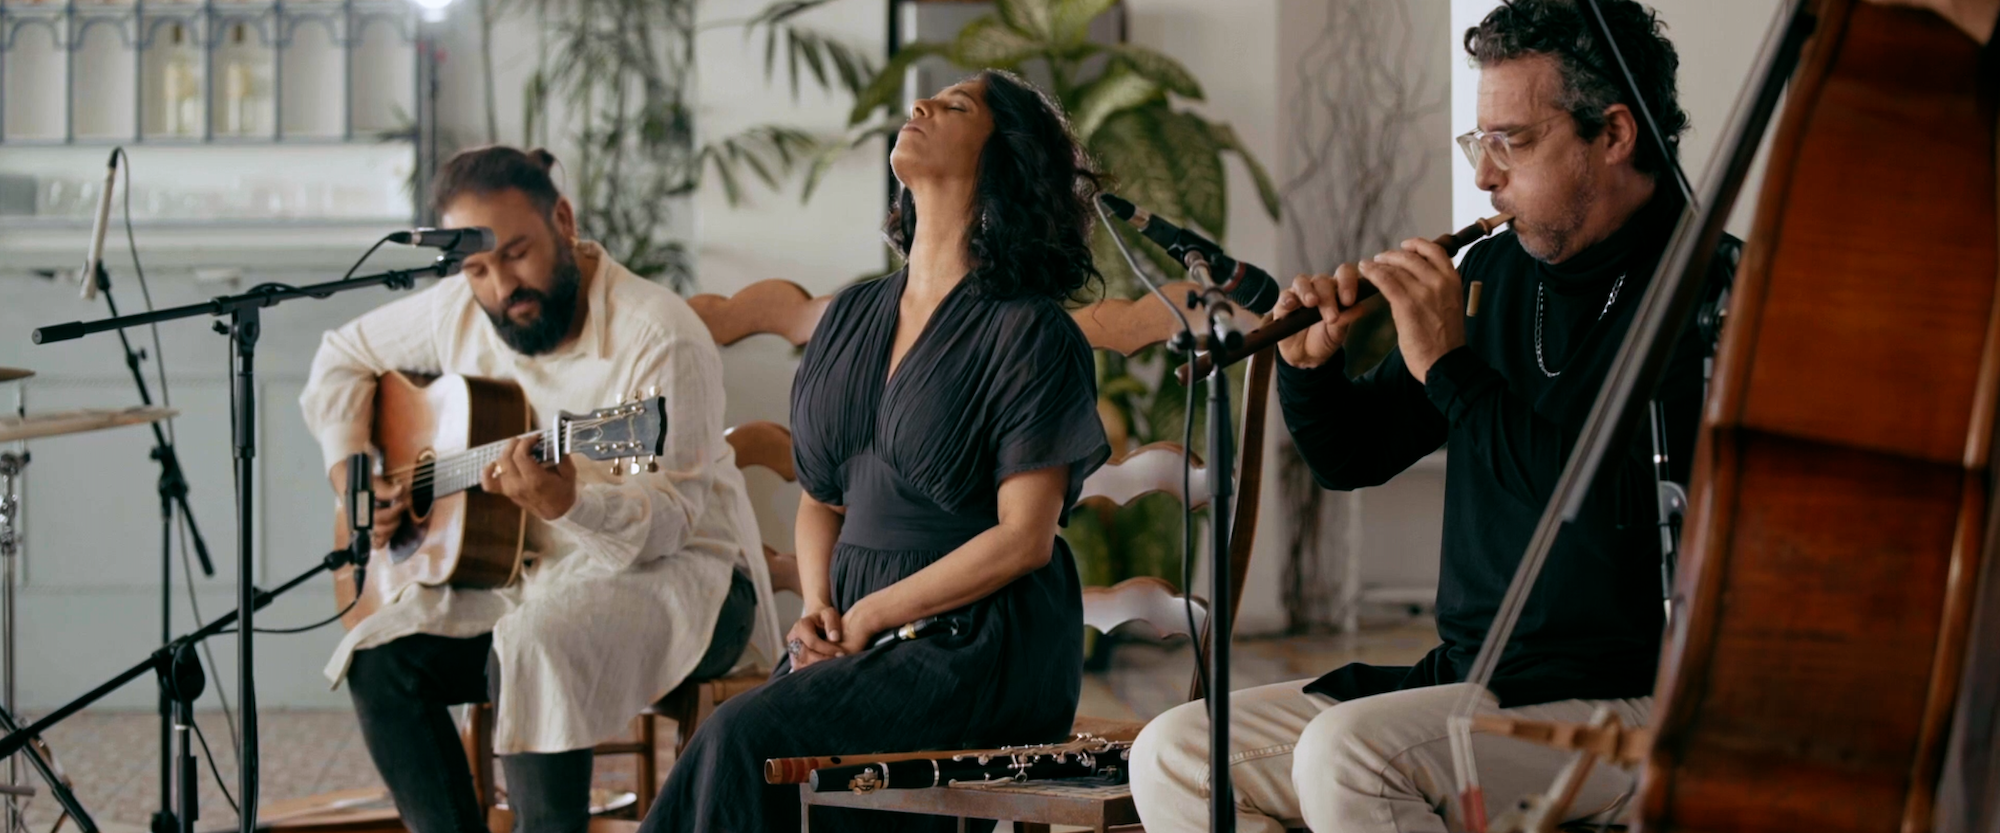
(991, 388)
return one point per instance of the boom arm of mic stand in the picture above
(260, 297)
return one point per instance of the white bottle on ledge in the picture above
(180, 89)
(239, 88)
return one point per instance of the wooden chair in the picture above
(776, 307)
(1126, 326)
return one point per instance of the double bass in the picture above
(1843, 491)
(1842, 513)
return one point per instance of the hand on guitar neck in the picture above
(518, 476)
(521, 478)
(391, 501)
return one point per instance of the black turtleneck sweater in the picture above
(1591, 628)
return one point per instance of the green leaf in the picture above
(732, 190)
(885, 89)
(1031, 19)
(1090, 543)
(1116, 90)
(1070, 19)
(989, 43)
(785, 10)
(1159, 69)
(1128, 145)
(1197, 168)
(1267, 192)
(807, 46)
(831, 152)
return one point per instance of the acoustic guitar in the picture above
(434, 436)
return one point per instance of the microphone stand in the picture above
(173, 490)
(1222, 336)
(245, 325)
(1221, 472)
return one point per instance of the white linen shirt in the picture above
(622, 593)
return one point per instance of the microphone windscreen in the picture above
(484, 241)
(1257, 293)
(1117, 205)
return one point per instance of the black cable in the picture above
(212, 770)
(302, 628)
(1187, 451)
(167, 401)
(1187, 527)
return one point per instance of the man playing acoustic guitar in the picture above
(629, 585)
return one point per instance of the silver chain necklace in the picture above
(1541, 290)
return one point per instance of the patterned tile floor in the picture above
(112, 758)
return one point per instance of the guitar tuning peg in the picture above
(652, 464)
(616, 468)
(634, 467)
(652, 391)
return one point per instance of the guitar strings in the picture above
(467, 465)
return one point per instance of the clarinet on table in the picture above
(1108, 762)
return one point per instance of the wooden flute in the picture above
(1298, 320)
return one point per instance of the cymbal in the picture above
(9, 374)
(57, 423)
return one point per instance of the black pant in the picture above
(401, 691)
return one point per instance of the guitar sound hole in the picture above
(411, 532)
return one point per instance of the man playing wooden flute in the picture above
(1560, 145)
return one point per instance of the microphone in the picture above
(1245, 284)
(360, 514)
(95, 257)
(454, 241)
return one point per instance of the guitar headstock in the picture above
(622, 434)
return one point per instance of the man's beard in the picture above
(558, 309)
(1550, 239)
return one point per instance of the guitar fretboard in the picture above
(459, 472)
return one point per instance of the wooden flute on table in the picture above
(1298, 320)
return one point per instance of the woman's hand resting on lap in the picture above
(817, 636)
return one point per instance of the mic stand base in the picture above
(180, 675)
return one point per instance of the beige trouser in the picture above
(1379, 763)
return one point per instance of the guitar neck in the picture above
(461, 471)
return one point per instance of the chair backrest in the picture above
(1155, 468)
(768, 307)
(763, 443)
(1144, 599)
(768, 445)
(1130, 325)
(775, 306)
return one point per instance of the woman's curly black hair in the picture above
(1033, 206)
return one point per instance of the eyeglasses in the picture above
(1499, 144)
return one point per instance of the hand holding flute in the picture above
(1311, 320)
